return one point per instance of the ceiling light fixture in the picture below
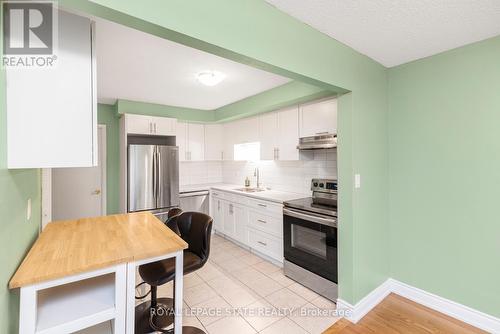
(210, 78)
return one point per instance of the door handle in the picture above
(261, 221)
(155, 127)
(150, 127)
(262, 243)
(96, 192)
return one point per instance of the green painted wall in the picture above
(282, 96)
(256, 33)
(444, 154)
(152, 109)
(16, 233)
(106, 114)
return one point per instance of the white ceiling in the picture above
(394, 32)
(137, 66)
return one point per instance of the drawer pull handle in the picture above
(263, 205)
(262, 243)
(261, 221)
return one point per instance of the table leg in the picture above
(179, 271)
(27, 316)
(130, 316)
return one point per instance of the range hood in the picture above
(319, 142)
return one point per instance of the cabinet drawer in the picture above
(266, 243)
(216, 194)
(266, 207)
(266, 223)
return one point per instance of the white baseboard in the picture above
(365, 305)
(453, 309)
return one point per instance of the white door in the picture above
(318, 118)
(164, 126)
(214, 141)
(181, 138)
(139, 124)
(80, 192)
(196, 142)
(268, 136)
(288, 134)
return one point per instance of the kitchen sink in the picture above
(249, 190)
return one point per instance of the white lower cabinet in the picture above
(257, 224)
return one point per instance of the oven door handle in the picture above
(310, 217)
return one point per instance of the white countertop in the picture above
(268, 195)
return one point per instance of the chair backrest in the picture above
(196, 229)
(171, 222)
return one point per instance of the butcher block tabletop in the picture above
(71, 247)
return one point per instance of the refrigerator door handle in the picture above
(155, 177)
(159, 178)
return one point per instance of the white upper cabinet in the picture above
(181, 140)
(318, 118)
(164, 126)
(288, 134)
(52, 112)
(150, 125)
(268, 136)
(191, 141)
(229, 140)
(214, 142)
(196, 142)
(138, 124)
(279, 135)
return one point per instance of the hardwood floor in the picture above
(396, 315)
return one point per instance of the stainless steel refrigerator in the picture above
(153, 177)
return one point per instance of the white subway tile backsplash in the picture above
(291, 176)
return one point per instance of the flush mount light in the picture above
(210, 78)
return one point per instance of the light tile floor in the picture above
(239, 292)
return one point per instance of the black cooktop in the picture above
(307, 204)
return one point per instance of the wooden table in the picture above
(82, 272)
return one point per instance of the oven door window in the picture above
(310, 241)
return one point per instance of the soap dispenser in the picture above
(247, 182)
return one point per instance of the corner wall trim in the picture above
(366, 304)
(453, 309)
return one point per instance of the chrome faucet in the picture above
(257, 174)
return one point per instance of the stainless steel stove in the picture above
(310, 239)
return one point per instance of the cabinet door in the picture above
(268, 135)
(52, 112)
(318, 118)
(217, 214)
(240, 223)
(196, 142)
(229, 140)
(181, 139)
(139, 124)
(164, 126)
(214, 141)
(228, 210)
(288, 134)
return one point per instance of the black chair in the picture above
(157, 315)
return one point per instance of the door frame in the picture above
(46, 182)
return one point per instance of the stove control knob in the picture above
(315, 184)
(321, 185)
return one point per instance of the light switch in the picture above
(28, 209)
(357, 181)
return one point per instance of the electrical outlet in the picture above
(28, 209)
(357, 181)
